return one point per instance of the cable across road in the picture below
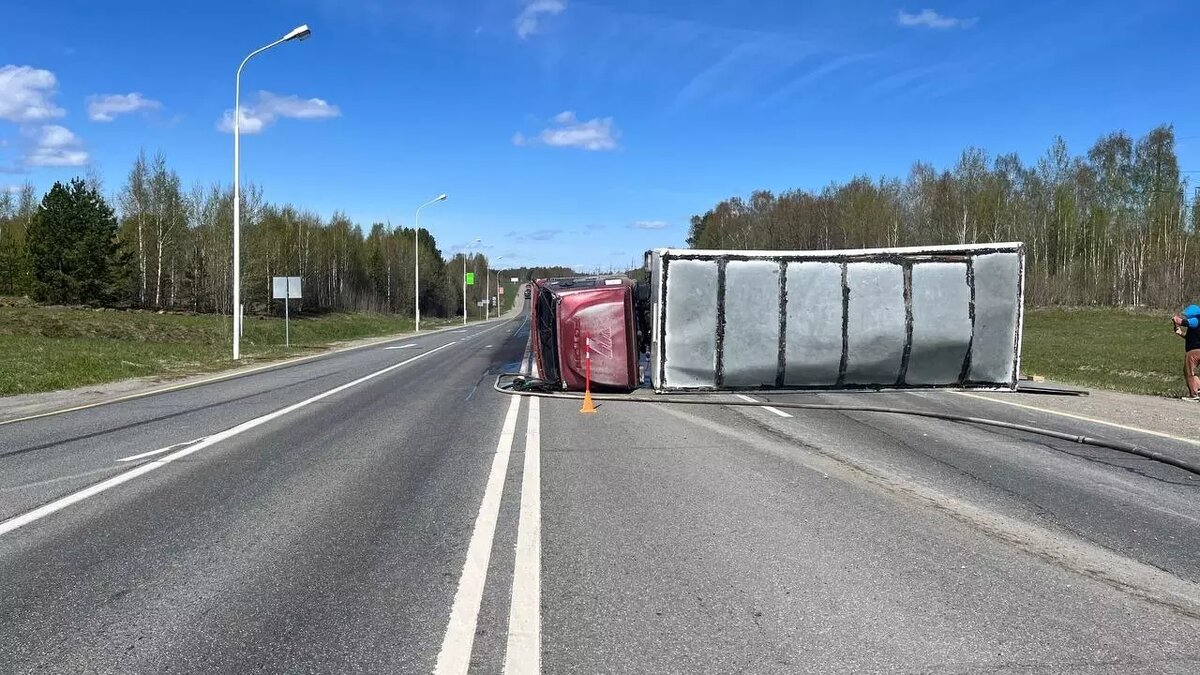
(523, 385)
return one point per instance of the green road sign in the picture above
(470, 278)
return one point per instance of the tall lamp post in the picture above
(464, 279)
(297, 33)
(417, 262)
(497, 288)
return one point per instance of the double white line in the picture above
(524, 649)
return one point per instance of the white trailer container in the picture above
(935, 316)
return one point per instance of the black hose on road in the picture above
(523, 385)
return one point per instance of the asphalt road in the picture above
(384, 511)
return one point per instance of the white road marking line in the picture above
(57, 479)
(455, 655)
(487, 346)
(485, 330)
(59, 504)
(407, 346)
(777, 411)
(160, 450)
(527, 361)
(1126, 427)
(523, 655)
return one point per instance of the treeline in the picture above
(174, 250)
(1112, 227)
(532, 273)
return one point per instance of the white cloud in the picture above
(105, 107)
(535, 235)
(250, 123)
(568, 132)
(813, 76)
(52, 145)
(543, 235)
(25, 94)
(529, 20)
(927, 18)
(650, 225)
(595, 134)
(743, 68)
(256, 117)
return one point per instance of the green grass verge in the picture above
(1126, 350)
(47, 348)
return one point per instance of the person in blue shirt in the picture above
(1187, 326)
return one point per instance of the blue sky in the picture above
(570, 132)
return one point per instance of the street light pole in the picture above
(497, 287)
(464, 277)
(297, 33)
(417, 262)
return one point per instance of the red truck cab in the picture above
(566, 313)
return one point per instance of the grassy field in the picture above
(1127, 350)
(46, 348)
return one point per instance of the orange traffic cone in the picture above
(588, 408)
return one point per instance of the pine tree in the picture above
(73, 249)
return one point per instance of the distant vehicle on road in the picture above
(528, 290)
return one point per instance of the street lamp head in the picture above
(300, 33)
(441, 198)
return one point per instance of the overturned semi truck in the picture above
(935, 316)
